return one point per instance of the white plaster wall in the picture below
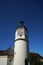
(20, 52)
(3, 60)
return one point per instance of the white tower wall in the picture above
(20, 52)
(3, 60)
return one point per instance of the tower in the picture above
(21, 45)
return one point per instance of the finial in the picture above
(21, 23)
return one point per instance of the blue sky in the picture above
(31, 11)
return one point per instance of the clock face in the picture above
(21, 32)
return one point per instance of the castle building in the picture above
(19, 55)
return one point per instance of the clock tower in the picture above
(21, 45)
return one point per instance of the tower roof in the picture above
(21, 23)
(8, 51)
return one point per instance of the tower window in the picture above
(20, 35)
(10, 60)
